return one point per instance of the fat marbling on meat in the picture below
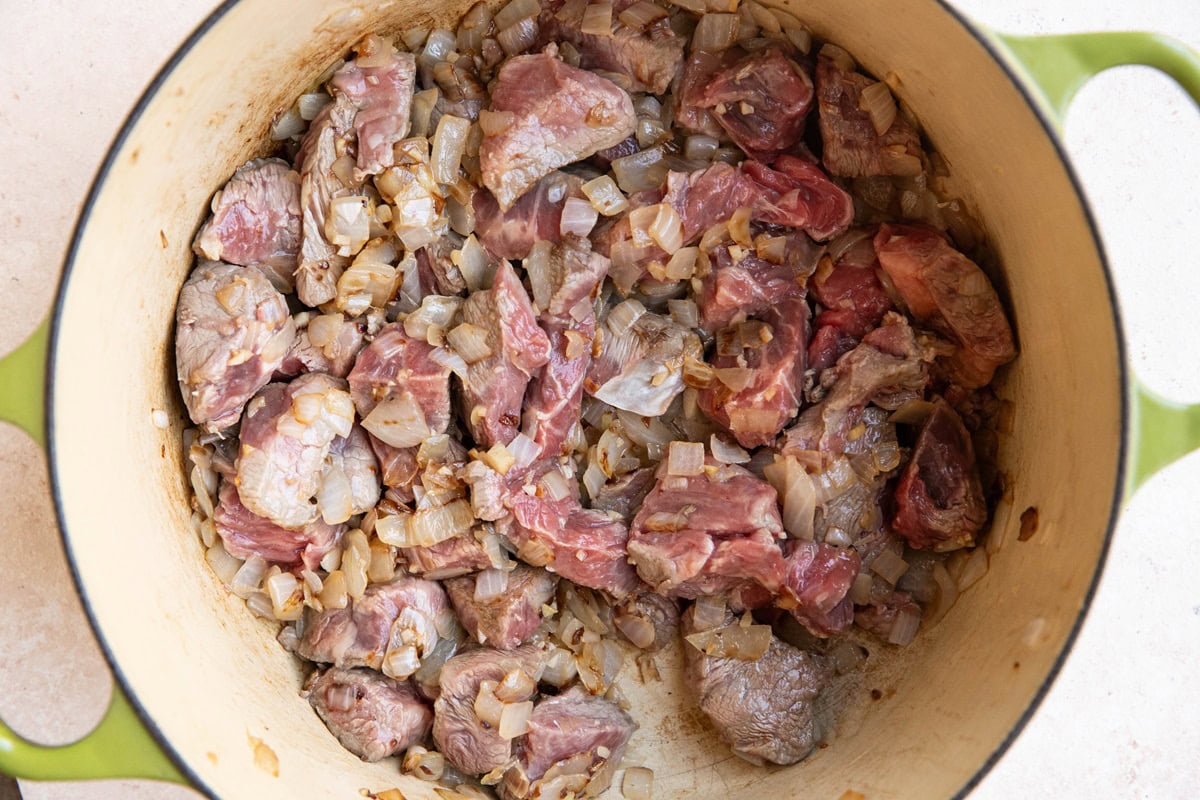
(372, 715)
(944, 288)
(232, 331)
(763, 709)
(709, 533)
(560, 114)
(509, 619)
(255, 221)
(535, 217)
(640, 364)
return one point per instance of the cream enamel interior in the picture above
(211, 677)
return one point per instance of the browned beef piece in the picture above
(945, 289)
(854, 302)
(286, 437)
(246, 534)
(383, 97)
(762, 709)
(511, 618)
(852, 148)
(535, 217)
(232, 331)
(802, 196)
(737, 290)
(494, 388)
(582, 545)
(761, 101)
(404, 611)
(887, 368)
(711, 195)
(437, 270)
(650, 59)
(455, 556)
(470, 744)
(555, 395)
(256, 221)
(624, 495)
(939, 500)
(373, 716)
(574, 744)
(818, 579)
(708, 533)
(320, 263)
(562, 114)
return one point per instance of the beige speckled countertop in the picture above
(1123, 719)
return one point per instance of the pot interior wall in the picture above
(214, 680)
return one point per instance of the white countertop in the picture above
(1122, 720)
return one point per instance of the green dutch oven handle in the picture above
(1162, 430)
(120, 746)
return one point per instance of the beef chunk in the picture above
(246, 534)
(394, 364)
(256, 221)
(535, 217)
(509, 619)
(708, 533)
(334, 356)
(762, 709)
(624, 495)
(939, 500)
(450, 558)
(798, 194)
(945, 289)
(373, 716)
(818, 579)
(383, 97)
(561, 114)
(320, 263)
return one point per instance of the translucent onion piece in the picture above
(249, 577)
(889, 566)
(904, 628)
(640, 171)
(726, 452)
(685, 312)
(880, 106)
(514, 719)
(287, 597)
(517, 685)
(560, 668)
(973, 569)
(715, 32)
(709, 612)
(745, 643)
(667, 228)
(224, 565)
(638, 784)
(310, 105)
(518, 37)
(642, 15)
(797, 495)
(288, 124)
(638, 630)
(490, 584)
(398, 421)
(578, 217)
(685, 458)
(449, 142)
(401, 662)
(488, 707)
(623, 316)
(555, 486)
(516, 11)
(860, 590)
(523, 449)
(424, 764)
(597, 19)
(470, 342)
(348, 225)
(422, 111)
(605, 196)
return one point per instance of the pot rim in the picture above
(990, 44)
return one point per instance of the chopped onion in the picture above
(474, 264)
(889, 566)
(348, 225)
(667, 228)
(623, 316)
(974, 568)
(736, 378)
(880, 106)
(335, 496)
(725, 452)
(249, 577)
(435, 311)
(398, 421)
(685, 458)
(450, 360)
(912, 412)
(700, 147)
(599, 665)
(401, 662)
(708, 613)
(516, 11)
(426, 527)
(424, 764)
(597, 19)
(287, 597)
(518, 37)
(638, 784)
(560, 668)
(640, 171)
(746, 643)
(382, 566)
(637, 629)
(841, 59)
(797, 495)
(490, 584)
(684, 312)
(333, 592)
(605, 196)
(555, 486)
(517, 685)
(837, 537)
(470, 342)
(288, 124)
(514, 719)
(524, 450)
(488, 707)
(904, 628)
(860, 590)
(310, 105)
(449, 142)
(642, 14)
(578, 217)
(715, 32)
(594, 480)
(422, 111)
(224, 565)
